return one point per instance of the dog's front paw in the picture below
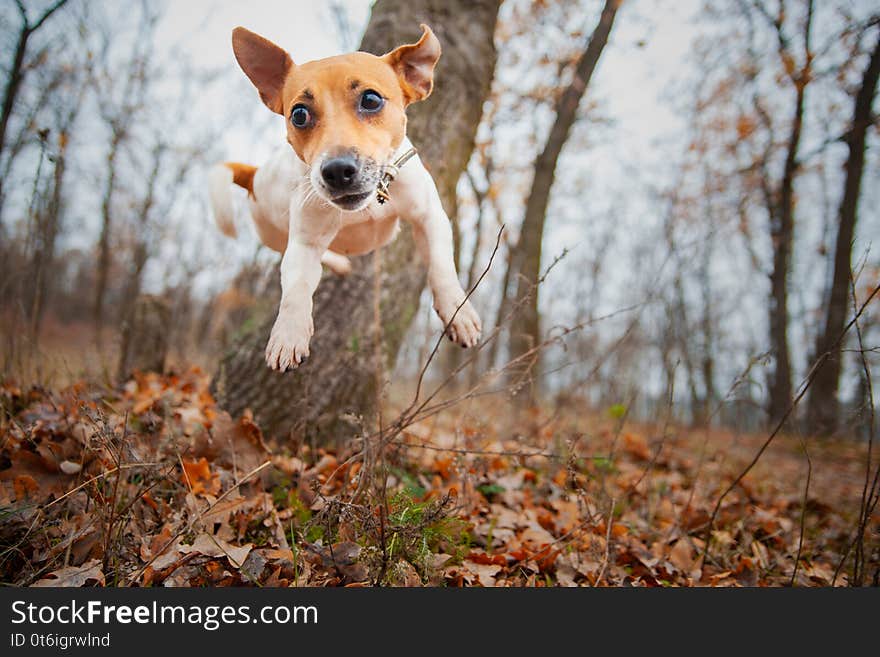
(288, 343)
(465, 327)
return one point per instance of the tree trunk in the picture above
(141, 252)
(782, 237)
(707, 316)
(823, 411)
(682, 333)
(339, 382)
(782, 229)
(145, 337)
(16, 74)
(525, 330)
(453, 357)
(103, 267)
(44, 255)
(707, 360)
(501, 313)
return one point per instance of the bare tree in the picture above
(780, 200)
(526, 258)
(117, 111)
(18, 71)
(823, 410)
(49, 220)
(141, 248)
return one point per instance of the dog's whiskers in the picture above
(307, 192)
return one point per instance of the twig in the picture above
(866, 505)
(797, 559)
(607, 556)
(127, 466)
(488, 452)
(116, 452)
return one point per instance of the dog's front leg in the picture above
(300, 274)
(433, 235)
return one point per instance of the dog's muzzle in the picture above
(348, 180)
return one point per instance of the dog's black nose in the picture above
(339, 172)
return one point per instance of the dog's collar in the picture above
(390, 174)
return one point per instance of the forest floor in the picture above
(150, 484)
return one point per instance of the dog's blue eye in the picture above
(300, 116)
(371, 101)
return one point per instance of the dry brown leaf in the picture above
(536, 537)
(201, 481)
(238, 446)
(635, 445)
(212, 546)
(75, 576)
(485, 572)
(682, 556)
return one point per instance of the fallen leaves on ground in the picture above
(151, 484)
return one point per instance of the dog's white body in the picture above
(308, 230)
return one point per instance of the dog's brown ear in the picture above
(264, 63)
(414, 65)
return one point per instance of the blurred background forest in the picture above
(702, 225)
(665, 210)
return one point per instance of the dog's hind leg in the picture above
(336, 263)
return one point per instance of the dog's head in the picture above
(345, 115)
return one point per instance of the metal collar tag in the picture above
(391, 171)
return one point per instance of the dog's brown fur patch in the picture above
(243, 175)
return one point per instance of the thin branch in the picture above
(797, 559)
(51, 10)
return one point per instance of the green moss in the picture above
(418, 530)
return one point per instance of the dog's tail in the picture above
(220, 181)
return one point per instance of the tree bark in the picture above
(782, 234)
(525, 330)
(823, 410)
(707, 324)
(103, 267)
(141, 251)
(782, 237)
(43, 257)
(333, 393)
(145, 336)
(452, 356)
